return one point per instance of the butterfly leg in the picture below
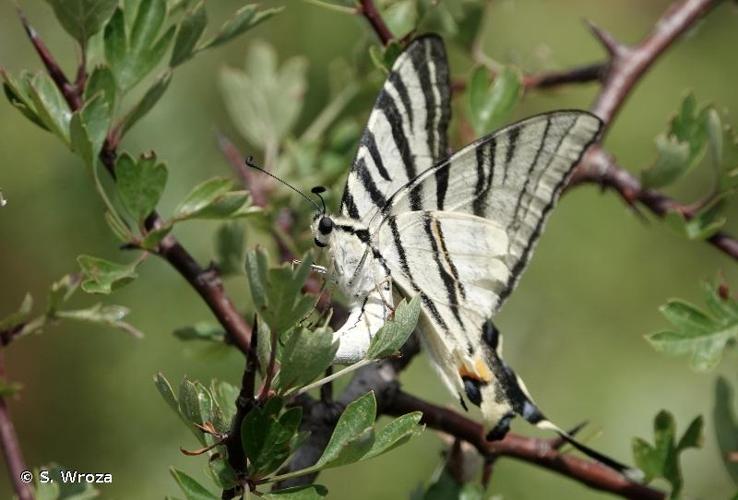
(313, 267)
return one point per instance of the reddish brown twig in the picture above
(69, 90)
(580, 74)
(370, 12)
(11, 446)
(535, 451)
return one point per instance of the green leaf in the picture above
(264, 102)
(147, 102)
(708, 220)
(243, 20)
(196, 407)
(224, 398)
(50, 106)
(229, 247)
(394, 434)
(671, 163)
(401, 17)
(681, 148)
(102, 276)
(202, 196)
(662, 458)
(154, 237)
(353, 435)
(201, 331)
(9, 389)
(309, 492)
(82, 18)
(132, 55)
(305, 355)
(18, 94)
(491, 105)
(697, 333)
(231, 205)
(394, 333)
(60, 292)
(140, 183)
(110, 315)
(188, 34)
(89, 127)
(266, 438)
(166, 391)
(102, 81)
(18, 317)
(726, 425)
(277, 292)
(191, 488)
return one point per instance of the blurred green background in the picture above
(573, 328)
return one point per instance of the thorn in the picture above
(612, 46)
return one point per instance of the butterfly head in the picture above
(323, 226)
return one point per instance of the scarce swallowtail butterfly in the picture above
(456, 230)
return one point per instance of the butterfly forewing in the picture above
(407, 130)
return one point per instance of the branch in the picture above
(206, 282)
(11, 447)
(628, 64)
(598, 167)
(370, 12)
(535, 451)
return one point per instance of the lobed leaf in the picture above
(305, 356)
(662, 458)
(264, 102)
(103, 276)
(395, 332)
(18, 94)
(147, 102)
(140, 183)
(82, 18)
(243, 20)
(188, 34)
(490, 105)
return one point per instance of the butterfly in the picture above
(456, 230)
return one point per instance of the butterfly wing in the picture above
(463, 254)
(407, 131)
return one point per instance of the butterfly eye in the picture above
(325, 226)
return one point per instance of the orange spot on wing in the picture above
(479, 371)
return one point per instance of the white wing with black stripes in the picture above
(407, 130)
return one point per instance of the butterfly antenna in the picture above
(250, 163)
(317, 190)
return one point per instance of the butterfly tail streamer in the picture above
(634, 474)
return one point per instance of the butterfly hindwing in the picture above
(407, 130)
